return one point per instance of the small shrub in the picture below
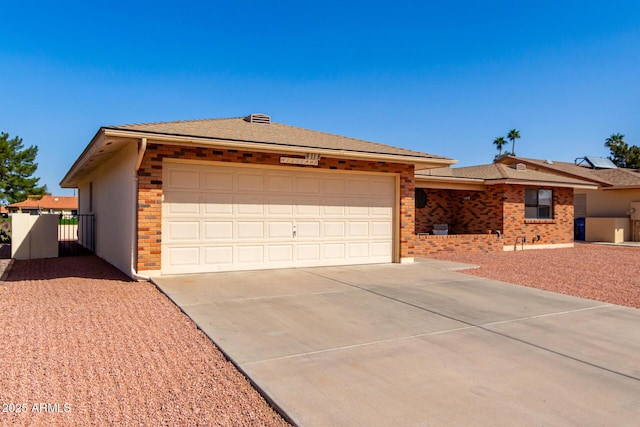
(5, 230)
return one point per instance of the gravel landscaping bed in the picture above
(600, 272)
(83, 345)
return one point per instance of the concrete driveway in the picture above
(416, 344)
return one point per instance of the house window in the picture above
(538, 203)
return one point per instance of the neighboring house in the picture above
(4, 212)
(494, 207)
(610, 212)
(245, 193)
(65, 205)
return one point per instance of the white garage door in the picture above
(225, 218)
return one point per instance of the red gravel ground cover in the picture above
(82, 345)
(600, 272)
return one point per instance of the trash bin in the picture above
(578, 229)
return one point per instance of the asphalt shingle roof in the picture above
(618, 177)
(48, 202)
(275, 134)
(497, 171)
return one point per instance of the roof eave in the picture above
(69, 180)
(622, 187)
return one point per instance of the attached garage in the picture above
(218, 217)
(244, 194)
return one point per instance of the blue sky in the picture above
(440, 77)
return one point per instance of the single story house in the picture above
(35, 205)
(245, 193)
(494, 207)
(609, 212)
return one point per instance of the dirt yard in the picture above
(83, 345)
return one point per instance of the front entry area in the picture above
(222, 217)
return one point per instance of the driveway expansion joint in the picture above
(487, 329)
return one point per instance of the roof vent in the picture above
(261, 119)
(521, 167)
(549, 162)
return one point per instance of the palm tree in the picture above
(500, 142)
(512, 136)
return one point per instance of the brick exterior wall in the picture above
(558, 230)
(470, 214)
(150, 191)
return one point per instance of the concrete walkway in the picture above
(419, 344)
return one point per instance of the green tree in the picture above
(17, 166)
(622, 155)
(512, 136)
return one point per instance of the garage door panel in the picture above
(383, 211)
(250, 181)
(334, 251)
(381, 229)
(280, 183)
(218, 255)
(183, 179)
(253, 230)
(306, 184)
(220, 230)
(308, 252)
(280, 253)
(247, 205)
(279, 230)
(184, 256)
(308, 229)
(358, 229)
(358, 250)
(334, 230)
(333, 185)
(362, 211)
(217, 204)
(220, 180)
(307, 206)
(333, 207)
(380, 249)
(239, 218)
(358, 186)
(253, 254)
(183, 230)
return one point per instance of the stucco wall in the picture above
(609, 203)
(150, 192)
(113, 206)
